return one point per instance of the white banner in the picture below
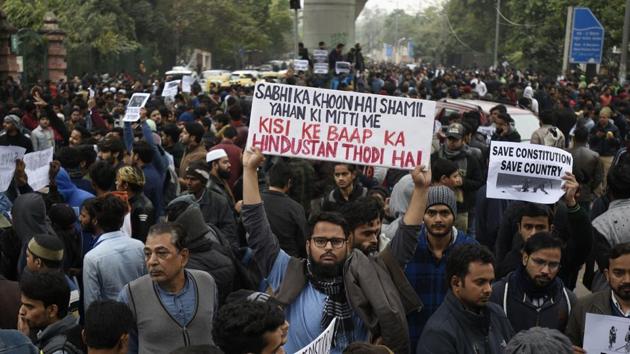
(331, 125)
(527, 172)
(320, 68)
(320, 56)
(37, 168)
(300, 65)
(137, 101)
(323, 343)
(170, 88)
(187, 82)
(606, 334)
(342, 67)
(8, 155)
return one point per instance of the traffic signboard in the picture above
(587, 37)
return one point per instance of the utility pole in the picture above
(295, 6)
(624, 45)
(567, 40)
(496, 38)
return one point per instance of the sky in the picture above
(410, 6)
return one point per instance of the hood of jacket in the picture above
(401, 196)
(29, 216)
(73, 195)
(191, 219)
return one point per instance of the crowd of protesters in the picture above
(167, 235)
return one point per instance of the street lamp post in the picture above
(398, 48)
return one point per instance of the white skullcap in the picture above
(215, 155)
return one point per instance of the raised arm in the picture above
(261, 239)
(404, 242)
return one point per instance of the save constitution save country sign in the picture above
(341, 126)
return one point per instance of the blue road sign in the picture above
(587, 37)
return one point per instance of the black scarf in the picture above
(336, 304)
(530, 288)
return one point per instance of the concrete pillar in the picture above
(8, 60)
(331, 21)
(56, 59)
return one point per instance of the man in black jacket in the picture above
(454, 150)
(466, 322)
(286, 216)
(532, 218)
(131, 180)
(533, 295)
(208, 248)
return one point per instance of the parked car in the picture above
(244, 77)
(525, 121)
(217, 76)
(177, 72)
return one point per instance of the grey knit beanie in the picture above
(442, 195)
(538, 340)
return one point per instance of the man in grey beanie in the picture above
(11, 134)
(427, 270)
(539, 340)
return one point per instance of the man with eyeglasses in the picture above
(611, 302)
(335, 280)
(533, 295)
(172, 307)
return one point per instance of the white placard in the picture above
(320, 56)
(300, 65)
(332, 125)
(342, 67)
(320, 68)
(37, 168)
(606, 334)
(170, 88)
(187, 82)
(323, 343)
(528, 172)
(8, 155)
(137, 101)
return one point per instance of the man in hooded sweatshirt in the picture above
(208, 247)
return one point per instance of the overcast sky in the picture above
(410, 6)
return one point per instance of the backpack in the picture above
(246, 275)
(69, 342)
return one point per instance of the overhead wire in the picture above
(456, 36)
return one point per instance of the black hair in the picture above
(85, 134)
(501, 108)
(619, 250)
(112, 144)
(459, 260)
(69, 158)
(580, 135)
(541, 240)
(196, 130)
(230, 132)
(330, 217)
(534, 210)
(618, 180)
(505, 117)
(103, 175)
(280, 174)
(105, 322)
(86, 154)
(88, 205)
(177, 232)
(546, 117)
(442, 167)
(143, 150)
(240, 327)
(172, 131)
(50, 288)
(362, 211)
(352, 168)
(110, 212)
(222, 118)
